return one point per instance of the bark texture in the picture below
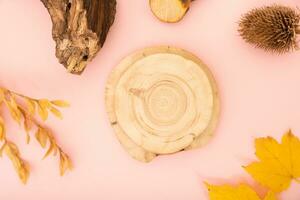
(79, 29)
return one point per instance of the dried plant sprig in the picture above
(273, 28)
(25, 115)
(45, 136)
(13, 153)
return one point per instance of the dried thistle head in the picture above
(272, 28)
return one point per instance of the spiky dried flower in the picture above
(273, 28)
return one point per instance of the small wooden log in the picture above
(80, 28)
(162, 100)
(170, 11)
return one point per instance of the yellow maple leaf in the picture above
(241, 192)
(270, 196)
(278, 164)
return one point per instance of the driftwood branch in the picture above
(79, 29)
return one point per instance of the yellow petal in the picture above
(23, 173)
(44, 103)
(42, 137)
(60, 103)
(12, 148)
(2, 129)
(56, 112)
(2, 149)
(20, 166)
(2, 91)
(27, 124)
(13, 102)
(14, 110)
(30, 106)
(65, 163)
(51, 148)
(43, 112)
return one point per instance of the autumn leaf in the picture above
(20, 165)
(60, 103)
(30, 106)
(2, 129)
(278, 164)
(56, 112)
(65, 163)
(14, 109)
(43, 112)
(2, 95)
(270, 196)
(28, 124)
(2, 149)
(42, 137)
(44, 103)
(52, 148)
(241, 192)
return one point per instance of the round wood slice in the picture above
(170, 11)
(162, 100)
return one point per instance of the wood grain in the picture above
(169, 11)
(162, 100)
(80, 28)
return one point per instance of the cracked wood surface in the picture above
(80, 28)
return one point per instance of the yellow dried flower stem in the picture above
(20, 165)
(43, 135)
(43, 105)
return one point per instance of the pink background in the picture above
(259, 92)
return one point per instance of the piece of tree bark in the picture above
(170, 11)
(79, 29)
(162, 100)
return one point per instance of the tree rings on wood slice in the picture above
(162, 100)
(169, 10)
